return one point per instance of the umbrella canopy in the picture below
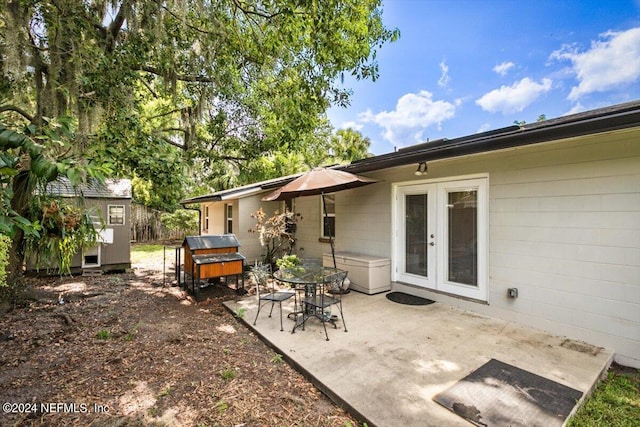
(318, 181)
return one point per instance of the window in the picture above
(205, 225)
(328, 218)
(287, 206)
(228, 218)
(116, 215)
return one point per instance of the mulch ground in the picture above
(129, 350)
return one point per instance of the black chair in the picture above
(262, 276)
(316, 303)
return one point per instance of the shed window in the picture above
(205, 226)
(116, 215)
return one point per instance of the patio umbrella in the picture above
(319, 181)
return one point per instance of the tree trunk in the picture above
(22, 194)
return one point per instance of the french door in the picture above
(441, 236)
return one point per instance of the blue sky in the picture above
(462, 67)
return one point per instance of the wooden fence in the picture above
(146, 226)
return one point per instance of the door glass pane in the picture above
(416, 234)
(462, 207)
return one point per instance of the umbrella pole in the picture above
(333, 251)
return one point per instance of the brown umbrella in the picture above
(319, 181)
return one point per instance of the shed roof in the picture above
(615, 117)
(111, 189)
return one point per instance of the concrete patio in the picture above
(395, 358)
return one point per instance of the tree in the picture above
(28, 162)
(349, 145)
(159, 87)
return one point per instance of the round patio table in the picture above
(305, 278)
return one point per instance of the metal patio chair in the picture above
(262, 276)
(317, 303)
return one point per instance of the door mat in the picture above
(402, 298)
(499, 394)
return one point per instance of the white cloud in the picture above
(610, 62)
(503, 68)
(514, 98)
(414, 113)
(444, 79)
(578, 108)
(484, 128)
(352, 125)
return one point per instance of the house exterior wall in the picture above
(242, 222)
(564, 228)
(216, 218)
(251, 248)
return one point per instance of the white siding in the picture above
(564, 228)
(243, 222)
(216, 218)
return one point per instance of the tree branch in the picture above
(175, 110)
(175, 144)
(18, 110)
(180, 77)
(114, 28)
(256, 12)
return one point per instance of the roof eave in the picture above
(513, 136)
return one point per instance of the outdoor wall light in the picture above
(422, 169)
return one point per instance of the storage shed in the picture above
(109, 204)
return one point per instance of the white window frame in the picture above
(439, 281)
(205, 220)
(330, 215)
(109, 215)
(228, 219)
(284, 205)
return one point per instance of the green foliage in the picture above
(240, 312)
(132, 332)
(175, 95)
(103, 334)
(222, 406)
(155, 86)
(348, 145)
(5, 244)
(277, 358)
(228, 374)
(31, 158)
(181, 219)
(615, 403)
(66, 229)
(288, 261)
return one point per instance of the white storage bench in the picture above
(369, 274)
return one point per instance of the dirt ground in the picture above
(130, 350)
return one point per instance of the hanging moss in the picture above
(5, 244)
